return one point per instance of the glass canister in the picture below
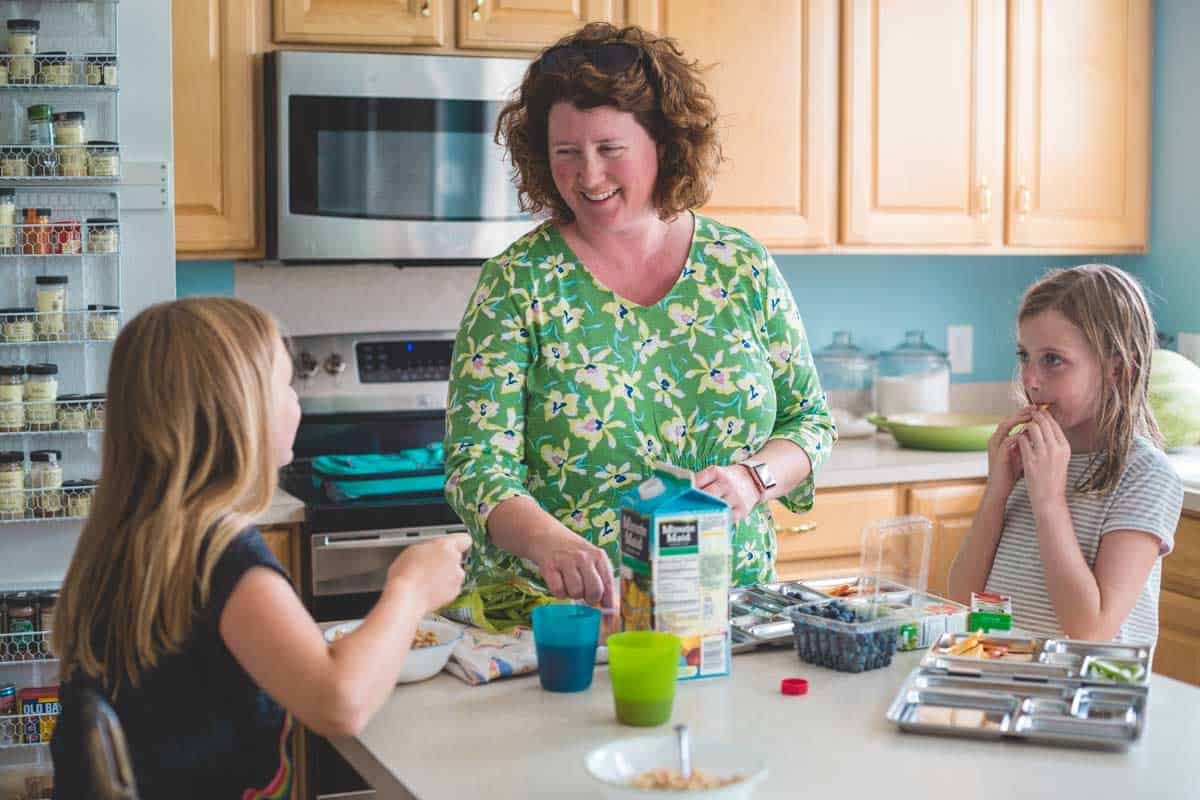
(846, 374)
(103, 321)
(12, 396)
(912, 377)
(8, 219)
(53, 68)
(72, 412)
(96, 403)
(77, 495)
(17, 325)
(43, 161)
(36, 238)
(46, 477)
(51, 303)
(101, 69)
(41, 396)
(13, 162)
(104, 159)
(22, 46)
(66, 237)
(12, 484)
(3, 69)
(71, 138)
(102, 235)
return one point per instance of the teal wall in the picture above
(203, 277)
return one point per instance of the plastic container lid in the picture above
(99, 143)
(83, 483)
(50, 280)
(69, 116)
(12, 457)
(101, 221)
(895, 551)
(24, 25)
(18, 310)
(45, 455)
(101, 58)
(12, 369)
(102, 307)
(793, 686)
(39, 111)
(43, 369)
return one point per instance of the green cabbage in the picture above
(1175, 397)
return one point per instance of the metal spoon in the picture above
(685, 751)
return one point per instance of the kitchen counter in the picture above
(1186, 461)
(443, 740)
(284, 510)
(878, 459)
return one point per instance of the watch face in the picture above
(764, 475)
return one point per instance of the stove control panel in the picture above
(403, 361)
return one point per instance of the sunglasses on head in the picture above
(610, 58)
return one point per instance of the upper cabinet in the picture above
(372, 22)
(923, 123)
(774, 78)
(218, 103)
(525, 24)
(1079, 123)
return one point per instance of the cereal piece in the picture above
(670, 780)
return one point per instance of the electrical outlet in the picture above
(960, 348)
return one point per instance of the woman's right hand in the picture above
(573, 567)
(433, 569)
(1004, 457)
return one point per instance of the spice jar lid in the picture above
(7, 689)
(50, 55)
(11, 457)
(43, 369)
(37, 212)
(24, 25)
(101, 221)
(71, 398)
(69, 116)
(17, 310)
(80, 484)
(101, 143)
(101, 58)
(102, 307)
(12, 369)
(8, 192)
(50, 280)
(49, 596)
(40, 111)
(45, 455)
(91, 398)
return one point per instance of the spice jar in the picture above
(3, 70)
(103, 321)
(66, 237)
(46, 477)
(51, 303)
(13, 162)
(12, 484)
(95, 412)
(17, 325)
(104, 159)
(46, 601)
(8, 707)
(41, 395)
(53, 68)
(101, 69)
(36, 239)
(77, 495)
(12, 395)
(70, 136)
(102, 235)
(43, 161)
(22, 619)
(72, 412)
(22, 45)
(8, 217)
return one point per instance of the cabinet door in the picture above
(1181, 569)
(388, 22)
(774, 77)
(923, 122)
(525, 24)
(216, 127)
(827, 541)
(1079, 123)
(284, 542)
(950, 508)
(1178, 652)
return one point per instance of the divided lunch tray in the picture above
(1084, 694)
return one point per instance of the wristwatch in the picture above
(761, 473)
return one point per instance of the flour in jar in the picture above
(926, 392)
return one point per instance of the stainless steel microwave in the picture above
(388, 157)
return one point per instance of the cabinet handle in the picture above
(425, 12)
(807, 527)
(985, 199)
(1023, 199)
(476, 15)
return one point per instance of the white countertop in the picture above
(878, 459)
(284, 510)
(444, 740)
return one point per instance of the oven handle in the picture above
(375, 539)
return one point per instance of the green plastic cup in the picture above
(643, 666)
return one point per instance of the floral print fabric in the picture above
(564, 391)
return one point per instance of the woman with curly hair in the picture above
(627, 329)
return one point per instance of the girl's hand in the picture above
(1004, 459)
(434, 569)
(1045, 455)
(732, 484)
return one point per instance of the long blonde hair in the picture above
(1110, 308)
(186, 466)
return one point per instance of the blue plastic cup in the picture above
(566, 637)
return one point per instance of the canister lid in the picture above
(50, 280)
(11, 457)
(24, 24)
(46, 455)
(43, 369)
(69, 116)
(12, 369)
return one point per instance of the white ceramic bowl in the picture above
(422, 662)
(617, 763)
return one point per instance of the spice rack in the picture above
(74, 67)
(26, 661)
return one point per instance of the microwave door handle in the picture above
(383, 539)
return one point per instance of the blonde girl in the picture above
(1081, 504)
(175, 609)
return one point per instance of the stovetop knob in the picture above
(335, 364)
(306, 365)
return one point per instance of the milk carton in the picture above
(676, 560)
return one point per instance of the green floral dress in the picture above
(564, 391)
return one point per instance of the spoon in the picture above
(685, 751)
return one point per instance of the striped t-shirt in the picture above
(1148, 498)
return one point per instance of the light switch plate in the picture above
(960, 348)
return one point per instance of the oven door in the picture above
(356, 562)
(390, 157)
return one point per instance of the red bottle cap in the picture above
(793, 686)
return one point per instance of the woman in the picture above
(625, 330)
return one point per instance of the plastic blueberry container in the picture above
(844, 637)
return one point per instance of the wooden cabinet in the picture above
(373, 22)
(827, 541)
(284, 541)
(951, 508)
(923, 123)
(1079, 123)
(1178, 652)
(525, 24)
(217, 130)
(774, 78)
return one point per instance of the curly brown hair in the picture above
(662, 90)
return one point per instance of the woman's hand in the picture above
(1045, 456)
(574, 567)
(732, 484)
(1004, 455)
(434, 570)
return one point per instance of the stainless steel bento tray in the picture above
(1066, 712)
(1034, 659)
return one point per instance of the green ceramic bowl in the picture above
(951, 432)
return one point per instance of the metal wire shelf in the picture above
(62, 237)
(94, 163)
(60, 70)
(27, 730)
(77, 414)
(44, 505)
(26, 648)
(59, 327)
